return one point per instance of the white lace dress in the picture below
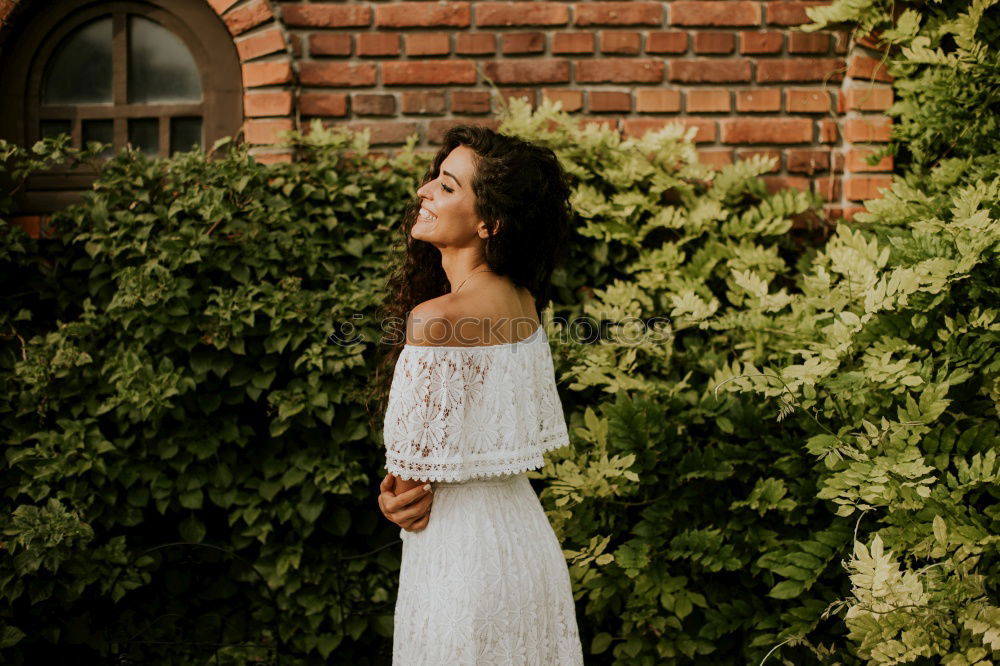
(486, 582)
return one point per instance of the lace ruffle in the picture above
(458, 413)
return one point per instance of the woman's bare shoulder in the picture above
(476, 318)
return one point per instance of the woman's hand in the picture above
(410, 509)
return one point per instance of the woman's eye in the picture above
(446, 188)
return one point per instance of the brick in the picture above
(867, 128)
(766, 130)
(710, 71)
(785, 12)
(605, 101)
(863, 67)
(715, 158)
(827, 187)
(422, 15)
(747, 153)
(266, 73)
(436, 129)
(838, 161)
(272, 157)
(618, 13)
(434, 72)
(248, 16)
(850, 211)
(619, 70)
(841, 41)
(606, 123)
(378, 44)
(368, 104)
(707, 101)
(616, 41)
(295, 45)
(528, 71)
(800, 69)
(737, 12)
(867, 98)
(807, 160)
(872, 41)
(323, 104)
(477, 43)
(572, 100)
(220, 6)
(856, 161)
(428, 44)
(807, 101)
(858, 188)
(326, 15)
(527, 94)
(776, 183)
(672, 41)
(522, 42)
(657, 100)
(32, 224)
(329, 44)
(277, 103)
(714, 42)
(761, 42)
(470, 101)
(424, 102)
(808, 42)
(758, 100)
(521, 13)
(265, 131)
(336, 74)
(573, 42)
(261, 43)
(706, 132)
(828, 130)
(386, 132)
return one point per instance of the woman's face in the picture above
(447, 205)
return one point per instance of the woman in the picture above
(472, 406)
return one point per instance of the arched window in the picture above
(162, 76)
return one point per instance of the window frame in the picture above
(23, 68)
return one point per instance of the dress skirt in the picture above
(485, 583)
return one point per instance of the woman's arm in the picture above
(409, 508)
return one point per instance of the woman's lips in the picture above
(427, 215)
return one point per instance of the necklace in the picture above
(485, 270)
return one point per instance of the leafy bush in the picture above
(170, 373)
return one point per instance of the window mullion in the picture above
(120, 69)
(164, 136)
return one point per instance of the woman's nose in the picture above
(424, 192)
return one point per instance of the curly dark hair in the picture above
(519, 185)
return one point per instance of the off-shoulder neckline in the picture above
(537, 334)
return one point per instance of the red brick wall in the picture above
(737, 70)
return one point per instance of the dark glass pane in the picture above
(79, 71)
(184, 134)
(144, 134)
(99, 130)
(49, 128)
(160, 67)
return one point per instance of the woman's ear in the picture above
(484, 232)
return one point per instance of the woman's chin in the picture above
(421, 230)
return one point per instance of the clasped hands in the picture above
(410, 508)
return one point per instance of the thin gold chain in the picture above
(484, 270)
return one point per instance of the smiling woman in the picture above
(483, 579)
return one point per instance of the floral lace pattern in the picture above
(485, 583)
(458, 413)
